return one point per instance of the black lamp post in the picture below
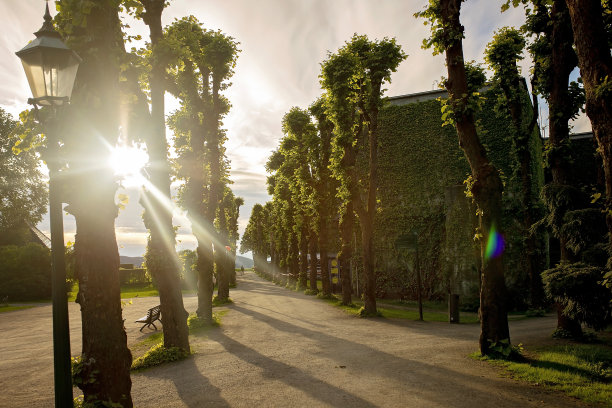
(51, 68)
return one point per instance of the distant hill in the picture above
(135, 260)
(138, 260)
(243, 261)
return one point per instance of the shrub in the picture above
(158, 355)
(577, 288)
(25, 272)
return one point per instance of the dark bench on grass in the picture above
(153, 314)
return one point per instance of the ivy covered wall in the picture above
(421, 172)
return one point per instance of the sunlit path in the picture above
(281, 348)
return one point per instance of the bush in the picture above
(25, 272)
(159, 355)
(577, 288)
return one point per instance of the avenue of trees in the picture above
(118, 98)
(323, 176)
(323, 173)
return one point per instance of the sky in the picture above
(282, 44)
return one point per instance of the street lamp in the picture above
(51, 68)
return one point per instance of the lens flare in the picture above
(127, 161)
(495, 244)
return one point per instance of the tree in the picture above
(552, 51)
(227, 225)
(353, 79)
(577, 288)
(25, 272)
(202, 62)
(592, 28)
(255, 238)
(485, 184)
(23, 192)
(161, 257)
(301, 151)
(325, 189)
(502, 54)
(93, 30)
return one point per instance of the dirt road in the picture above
(278, 348)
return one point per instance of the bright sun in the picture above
(127, 163)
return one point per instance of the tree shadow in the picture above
(291, 376)
(370, 362)
(193, 388)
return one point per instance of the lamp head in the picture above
(49, 65)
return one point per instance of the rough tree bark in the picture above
(305, 234)
(312, 251)
(487, 185)
(595, 62)
(94, 123)
(162, 259)
(346, 252)
(563, 60)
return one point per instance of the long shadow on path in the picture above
(292, 376)
(422, 379)
(193, 388)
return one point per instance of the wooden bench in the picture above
(153, 314)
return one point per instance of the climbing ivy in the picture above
(412, 139)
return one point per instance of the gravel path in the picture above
(278, 348)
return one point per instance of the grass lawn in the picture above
(129, 291)
(583, 371)
(430, 315)
(9, 308)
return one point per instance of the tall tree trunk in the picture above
(205, 266)
(293, 258)
(366, 216)
(94, 124)
(312, 251)
(344, 257)
(105, 356)
(486, 188)
(531, 261)
(162, 259)
(595, 62)
(323, 259)
(222, 257)
(305, 234)
(563, 60)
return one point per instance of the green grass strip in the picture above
(10, 308)
(583, 371)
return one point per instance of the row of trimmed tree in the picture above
(323, 174)
(119, 95)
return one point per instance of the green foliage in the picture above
(433, 201)
(25, 272)
(535, 313)
(442, 37)
(503, 52)
(79, 402)
(197, 325)
(8, 308)
(559, 199)
(454, 109)
(159, 355)
(78, 365)
(503, 350)
(364, 313)
(583, 229)
(220, 302)
(577, 288)
(23, 191)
